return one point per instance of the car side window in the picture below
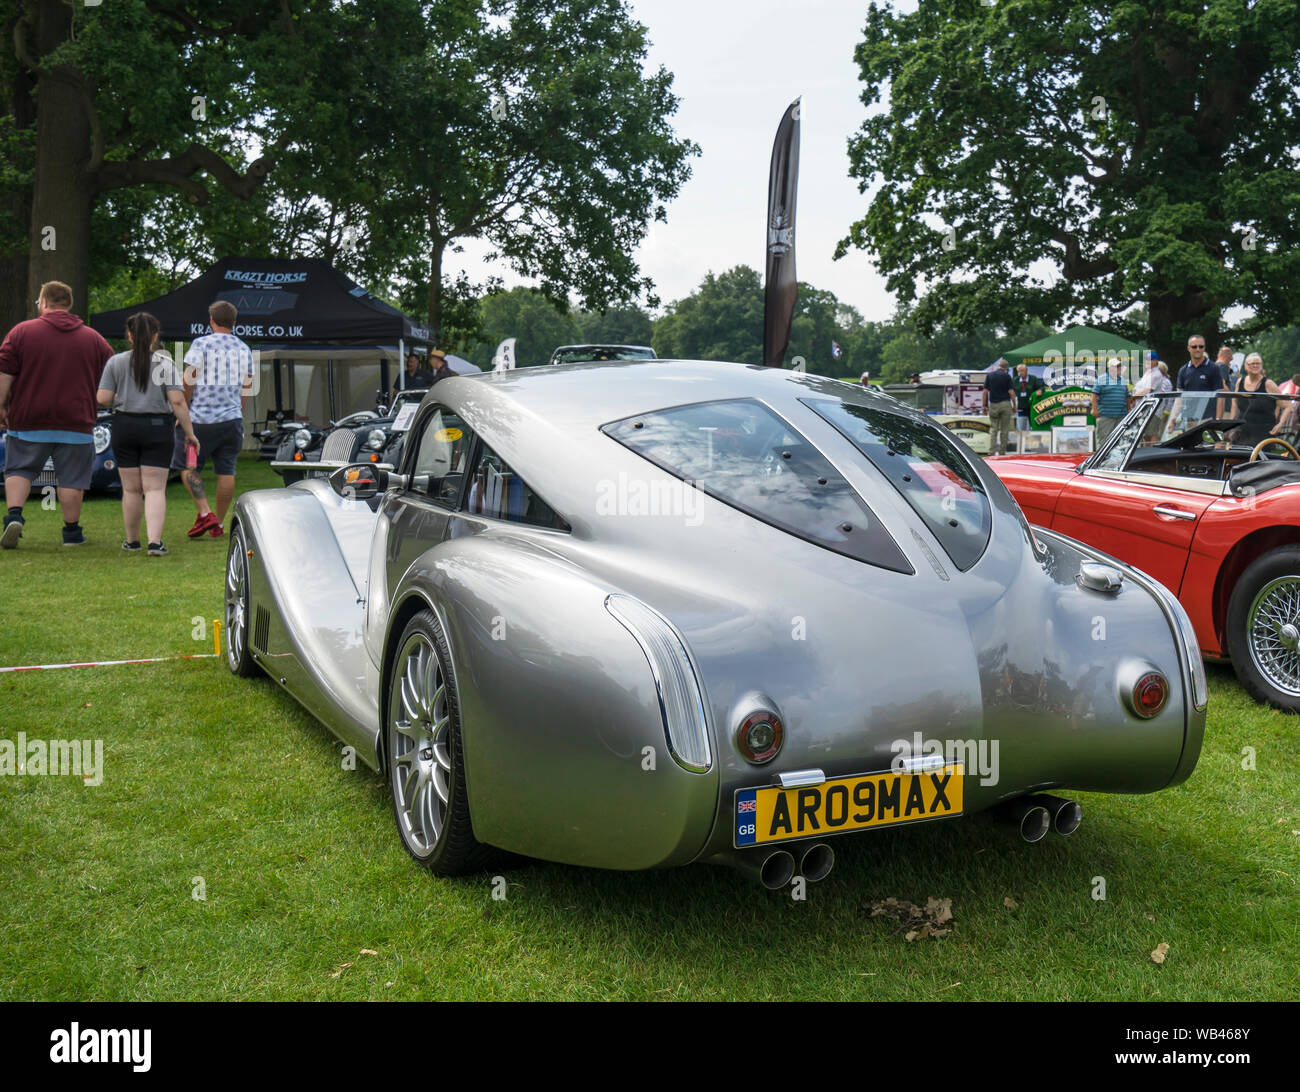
(440, 460)
(497, 492)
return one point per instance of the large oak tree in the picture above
(529, 124)
(137, 93)
(1146, 150)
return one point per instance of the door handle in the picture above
(1175, 513)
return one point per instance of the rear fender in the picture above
(564, 743)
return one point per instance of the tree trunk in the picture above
(435, 287)
(62, 193)
(16, 204)
(1173, 319)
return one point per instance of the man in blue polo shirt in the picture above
(1200, 373)
(1110, 400)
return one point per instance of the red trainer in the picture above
(216, 531)
(205, 522)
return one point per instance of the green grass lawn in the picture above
(227, 788)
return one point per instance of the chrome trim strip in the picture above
(303, 464)
(921, 763)
(1213, 487)
(798, 779)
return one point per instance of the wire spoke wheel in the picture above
(1262, 628)
(1273, 631)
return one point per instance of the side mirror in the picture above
(359, 481)
(365, 481)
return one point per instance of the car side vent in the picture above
(261, 629)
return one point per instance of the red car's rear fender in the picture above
(1234, 563)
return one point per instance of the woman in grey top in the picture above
(144, 389)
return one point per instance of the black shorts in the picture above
(222, 441)
(142, 439)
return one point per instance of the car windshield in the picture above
(1203, 433)
(745, 455)
(584, 353)
(926, 467)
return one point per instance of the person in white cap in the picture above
(1110, 400)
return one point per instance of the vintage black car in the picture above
(365, 436)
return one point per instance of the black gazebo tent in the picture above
(282, 305)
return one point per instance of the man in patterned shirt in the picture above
(218, 378)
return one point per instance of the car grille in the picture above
(338, 445)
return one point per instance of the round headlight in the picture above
(103, 436)
(374, 440)
(302, 438)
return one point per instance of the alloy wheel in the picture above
(421, 745)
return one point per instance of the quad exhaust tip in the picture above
(1036, 815)
(774, 869)
(777, 870)
(816, 862)
(1066, 814)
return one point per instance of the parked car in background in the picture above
(1202, 491)
(617, 615)
(103, 478)
(368, 435)
(274, 432)
(576, 354)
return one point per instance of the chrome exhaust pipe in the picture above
(1027, 814)
(1066, 814)
(772, 869)
(816, 862)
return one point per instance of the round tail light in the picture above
(1150, 694)
(759, 737)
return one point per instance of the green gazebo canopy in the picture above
(1094, 345)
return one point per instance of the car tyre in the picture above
(425, 761)
(239, 657)
(1264, 628)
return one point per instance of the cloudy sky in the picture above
(737, 64)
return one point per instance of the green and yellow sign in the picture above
(1047, 408)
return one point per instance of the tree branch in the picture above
(179, 171)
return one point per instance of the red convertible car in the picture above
(1202, 491)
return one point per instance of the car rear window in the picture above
(926, 467)
(745, 455)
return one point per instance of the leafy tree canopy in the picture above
(1145, 150)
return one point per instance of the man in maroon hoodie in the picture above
(50, 368)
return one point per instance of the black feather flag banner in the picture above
(781, 286)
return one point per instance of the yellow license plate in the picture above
(846, 803)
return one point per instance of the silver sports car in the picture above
(639, 614)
